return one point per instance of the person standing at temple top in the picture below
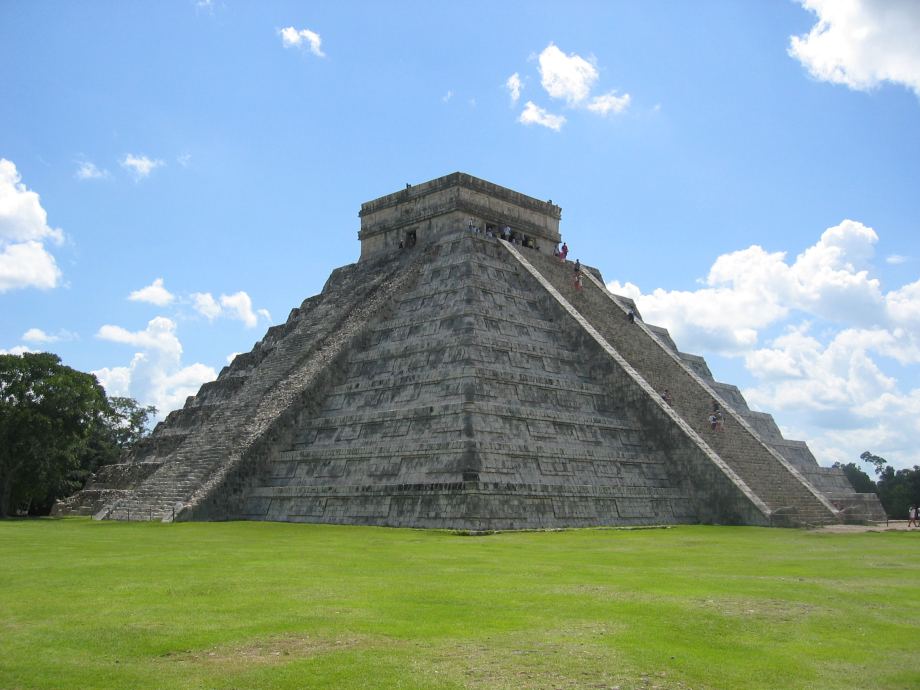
(565, 251)
(507, 233)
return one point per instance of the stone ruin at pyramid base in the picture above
(453, 379)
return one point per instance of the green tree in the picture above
(119, 428)
(897, 490)
(123, 424)
(47, 410)
(861, 481)
(874, 460)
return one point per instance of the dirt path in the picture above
(892, 525)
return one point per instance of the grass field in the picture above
(85, 604)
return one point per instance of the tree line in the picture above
(897, 490)
(57, 426)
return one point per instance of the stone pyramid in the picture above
(452, 379)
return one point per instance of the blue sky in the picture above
(176, 176)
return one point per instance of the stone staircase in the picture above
(465, 384)
(770, 476)
(469, 407)
(295, 360)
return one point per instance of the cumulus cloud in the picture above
(18, 350)
(140, 165)
(608, 103)
(569, 78)
(21, 214)
(828, 376)
(838, 388)
(514, 86)
(88, 171)
(861, 43)
(27, 265)
(155, 375)
(154, 293)
(236, 306)
(534, 115)
(566, 77)
(292, 38)
(239, 305)
(24, 261)
(206, 305)
(750, 289)
(36, 335)
(897, 259)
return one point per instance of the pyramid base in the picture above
(464, 506)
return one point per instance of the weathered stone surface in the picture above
(449, 204)
(463, 383)
(110, 483)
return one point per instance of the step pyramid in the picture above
(451, 379)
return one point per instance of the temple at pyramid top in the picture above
(451, 203)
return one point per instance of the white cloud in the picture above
(24, 261)
(534, 115)
(21, 214)
(568, 77)
(239, 305)
(608, 103)
(448, 96)
(140, 166)
(750, 289)
(861, 43)
(236, 306)
(827, 378)
(18, 350)
(897, 259)
(88, 171)
(291, 37)
(154, 293)
(838, 387)
(232, 356)
(205, 304)
(155, 375)
(183, 160)
(514, 86)
(38, 336)
(27, 264)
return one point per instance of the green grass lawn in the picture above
(85, 604)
